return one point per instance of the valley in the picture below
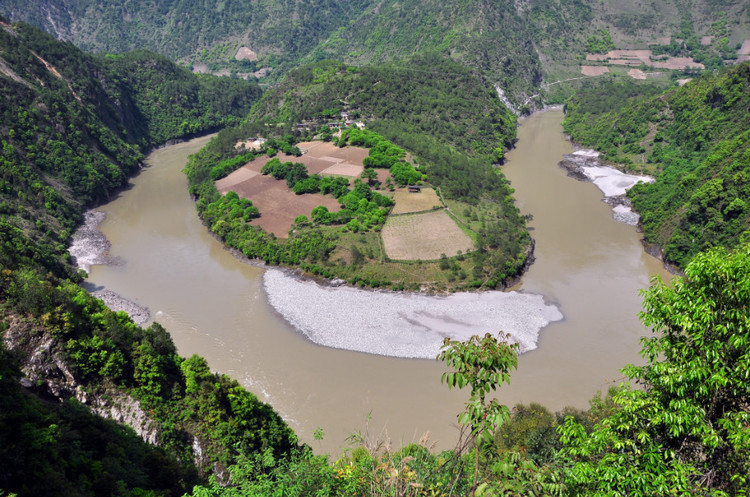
(328, 263)
(216, 305)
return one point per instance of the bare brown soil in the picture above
(745, 48)
(237, 177)
(278, 205)
(678, 63)
(407, 202)
(594, 70)
(248, 144)
(327, 149)
(706, 40)
(246, 54)
(633, 56)
(638, 57)
(343, 169)
(637, 74)
(424, 236)
(200, 68)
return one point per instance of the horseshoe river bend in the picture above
(348, 360)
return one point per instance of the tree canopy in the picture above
(686, 428)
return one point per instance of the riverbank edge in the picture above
(575, 170)
(88, 230)
(89, 240)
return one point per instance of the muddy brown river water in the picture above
(588, 265)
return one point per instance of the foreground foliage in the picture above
(687, 429)
(682, 428)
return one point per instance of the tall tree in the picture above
(688, 428)
(483, 364)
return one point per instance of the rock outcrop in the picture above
(48, 374)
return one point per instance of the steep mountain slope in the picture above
(74, 128)
(517, 44)
(481, 34)
(695, 139)
(211, 31)
(486, 35)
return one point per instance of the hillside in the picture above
(74, 128)
(522, 46)
(453, 126)
(695, 140)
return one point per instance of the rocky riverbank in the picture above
(90, 247)
(585, 165)
(140, 315)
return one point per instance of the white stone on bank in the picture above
(400, 324)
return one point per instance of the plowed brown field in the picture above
(424, 236)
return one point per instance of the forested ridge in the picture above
(518, 45)
(694, 139)
(74, 128)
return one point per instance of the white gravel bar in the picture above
(400, 324)
(611, 181)
(585, 165)
(88, 245)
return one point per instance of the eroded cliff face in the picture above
(48, 375)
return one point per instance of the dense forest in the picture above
(694, 140)
(517, 45)
(74, 128)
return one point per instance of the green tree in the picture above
(484, 364)
(687, 430)
(370, 175)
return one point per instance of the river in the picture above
(213, 304)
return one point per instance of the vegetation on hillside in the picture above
(74, 128)
(454, 126)
(681, 428)
(516, 45)
(694, 139)
(281, 32)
